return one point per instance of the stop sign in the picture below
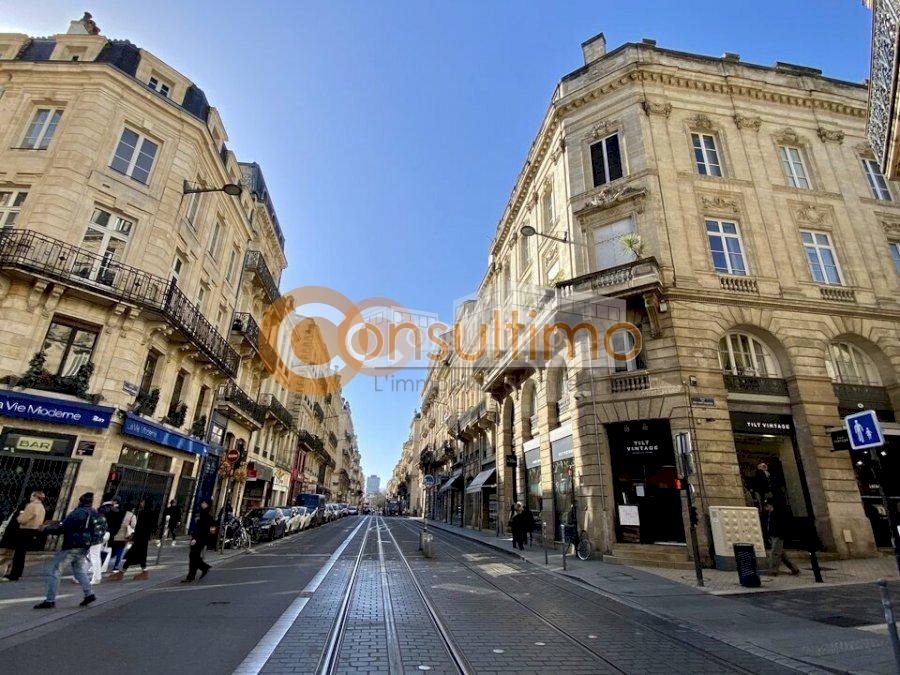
(232, 456)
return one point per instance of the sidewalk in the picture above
(18, 598)
(787, 640)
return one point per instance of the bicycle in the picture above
(584, 547)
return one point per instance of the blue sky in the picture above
(390, 133)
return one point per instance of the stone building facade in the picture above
(736, 215)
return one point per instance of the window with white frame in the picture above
(548, 209)
(178, 266)
(624, 342)
(794, 169)
(106, 237)
(201, 296)
(725, 247)
(877, 184)
(820, 255)
(743, 354)
(193, 206)
(10, 205)
(894, 245)
(40, 130)
(706, 156)
(606, 160)
(134, 155)
(215, 239)
(609, 250)
(160, 87)
(848, 364)
(232, 265)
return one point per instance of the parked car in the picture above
(305, 517)
(352, 511)
(343, 509)
(331, 512)
(294, 519)
(315, 505)
(266, 524)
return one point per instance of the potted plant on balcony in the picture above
(145, 402)
(198, 427)
(176, 414)
(634, 243)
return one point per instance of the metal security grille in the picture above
(130, 484)
(20, 475)
(184, 492)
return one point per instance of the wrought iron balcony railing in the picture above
(750, 384)
(243, 324)
(231, 393)
(276, 409)
(31, 251)
(311, 441)
(318, 412)
(871, 396)
(255, 262)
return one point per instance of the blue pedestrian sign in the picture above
(428, 480)
(864, 430)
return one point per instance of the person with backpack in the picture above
(81, 529)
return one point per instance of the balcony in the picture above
(254, 262)
(318, 412)
(311, 441)
(837, 294)
(35, 253)
(244, 326)
(272, 406)
(884, 92)
(479, 414)
(332, 439)
(626, 382)
(619, 281)
(870, 396)
(750, 384)
(234, 402)
(738, 284)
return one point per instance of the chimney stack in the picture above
(594, 48)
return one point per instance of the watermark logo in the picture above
(314, 339)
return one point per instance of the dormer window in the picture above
(160, 87)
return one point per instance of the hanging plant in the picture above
(240, 475)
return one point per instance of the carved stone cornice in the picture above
(701, 122)
(891, 228)
(788, 136)
(809, 214)
(612, 196)
(663, 108)
(833, 135)
(719, 203)
(601, 129)
(744, 122)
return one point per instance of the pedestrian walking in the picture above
(201, 536)
(27, 528)
(520, 524)
(81, 529)
(140, 541)
(121, 524)
(8, 528)
(774, 526)
(173, 511)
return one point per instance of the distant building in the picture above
(373, 485)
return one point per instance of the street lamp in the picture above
(529, 231)
(232, 189)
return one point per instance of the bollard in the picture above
(564, 557)
(544, 541)
(889, 618)
(425, 541)
(162, 539)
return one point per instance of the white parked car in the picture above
(305, 516)
(294, 519)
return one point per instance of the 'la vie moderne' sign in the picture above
(58, 411)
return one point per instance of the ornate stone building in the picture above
(737, 216)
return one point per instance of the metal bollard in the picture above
(162, 538)
(889, 618)
(425, 542)
(544, 541)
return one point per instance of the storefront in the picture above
(484, 485)
(648, 501)
(533, 492)
(562, 470)
(451, 493)
(258, 488)
(33, 458)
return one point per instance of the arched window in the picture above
(743, 354)
(848, 364)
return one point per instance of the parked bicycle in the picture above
(234, 534)
(578, 539)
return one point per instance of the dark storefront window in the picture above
(533, 492)
(68, 347)
(25, 440)
(144, 459)
(149, 370)
(562, 470)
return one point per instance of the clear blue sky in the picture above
(390, 133)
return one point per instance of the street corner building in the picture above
(739, 217)
(137, 256)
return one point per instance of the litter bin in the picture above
(745, 562)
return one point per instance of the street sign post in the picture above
(232, 456)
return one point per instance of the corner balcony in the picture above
(751, 384)
(238, 405)
(255, 263)
(620, 281)
(276, 409)
(34, 253)
(884, 93)
(245, 330)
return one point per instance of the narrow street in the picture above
(355, 596)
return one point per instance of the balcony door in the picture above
(609, 251)
(106, 239)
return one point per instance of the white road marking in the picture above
(258, 656)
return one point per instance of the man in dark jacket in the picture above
(775, 528)
(81, 528)
(520, 524)
(173, 512)
(201, 532)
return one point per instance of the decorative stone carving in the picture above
(891, 228)
(602, 130)
(657, 107)
(719, 203)
(744, 122)
(612, 195)
(864, 149)
(813, 215)
(833, 135)
(701, 122)
(788, 136)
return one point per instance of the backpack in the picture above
(93, 530)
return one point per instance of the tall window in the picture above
(41, 129)
(877, 183)
(819, 253)
(10, 205)
(215, 239)
(548, 209)
(134, 156)
(609, 251)
(177, 390)
(524, 252)
(794, 170)
(149, 371)
(705, 155)
(624, 342)
(743, 354)
(67, 348)
(606, 160)
(106, 236)
(725, 247)
(895, 252)
(177, 267)
(193, 206)
(232, 264)
(848, 364)
(201, 401)
(201, 297)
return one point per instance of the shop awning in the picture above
(450, 481)
(140, 427)
(479, 481)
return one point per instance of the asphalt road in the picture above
(208, 626)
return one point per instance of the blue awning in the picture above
(55, 410)
(139, 427)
